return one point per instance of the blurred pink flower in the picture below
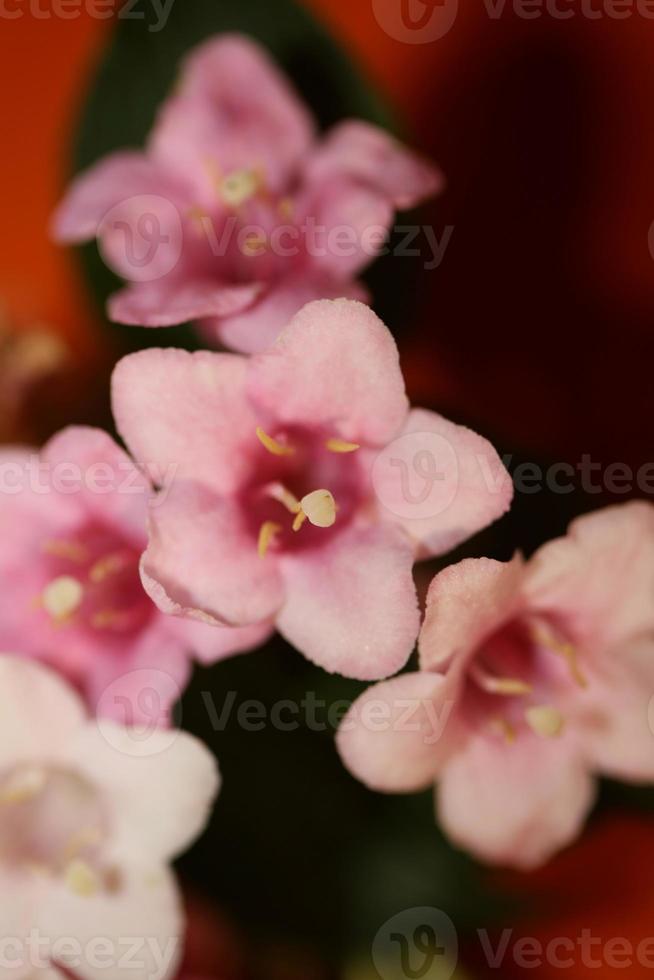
(534, 677)
(237, 214)
(73, 526)
(90, 818)
(281, 507)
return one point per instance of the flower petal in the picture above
(210, 644)
(158, 785)
(40, 713)
(20, 896)
(515, 805)
(600, 577)
(335, 365)
(442, 482)
(351, 605)
(467, 602)
(185, 416)
(202, 561)
(252, 115)
(393, 738)
(258, 327)
(168, 301)
(358, 149)
(140, 925)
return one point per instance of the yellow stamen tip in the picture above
(272, 445)
(267, 535)
(505, 729)
(107, 566)
(545, 721)
(319, 508)
(62, 597)
(239, 187)
(81, 879)
(340, 446)
(299, 520)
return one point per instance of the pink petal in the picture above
(351, 605)
(202, 562)
(168, 301)
(186, 416)
(113, 180)
(109, 487)
(515, 805)
(441, 482)
(367, 153)
(252, 116)
(393, 739)
(40, 713)
(335, 365)
(144, 914)
(20, 896)
(209, 644)
(158, 786)
(258, 327)
(600, 578)
(466, 603)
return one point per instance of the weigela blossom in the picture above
(274, 513)
(534, 677)
(235, 212)
(73, 527)
(90, 818)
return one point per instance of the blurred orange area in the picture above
(590, 911)
(46, 65)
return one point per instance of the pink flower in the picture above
(236, 214)
(284, 504)
(90, 818)
(73, 527)
(534, 678)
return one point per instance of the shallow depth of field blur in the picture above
(535, 326)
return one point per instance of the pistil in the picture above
(62, 597)
(545, 721)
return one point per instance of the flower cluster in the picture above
(276, 490)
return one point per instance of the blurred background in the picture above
(536, 328)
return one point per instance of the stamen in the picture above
(81, 879)
(22, 786)
(107, 619)
(506, 686)
(283, 496)
(66, 549)
(254, 245)
(63, 597)
(299, 520)
(286, 208)
(109, 565)
(566, 650)
(272, 445)
(339, 446)
(239, 187)
(504, 728)
(319, 508)
(267, 535)
(545, 721)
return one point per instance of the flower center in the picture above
(52, 823)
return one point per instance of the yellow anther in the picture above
(272, 445)
(239, 187)
(286, 208)
(504, 728)
(319, 508)
(267, 536)
(109, 565)
(70, 550)
(254, 245)
(22, 786)
(106, 619)
(299, 520)
(545, 721)
(81, 879)
(62, 597)
(566, 650)
(506, 686)
(340, 446)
